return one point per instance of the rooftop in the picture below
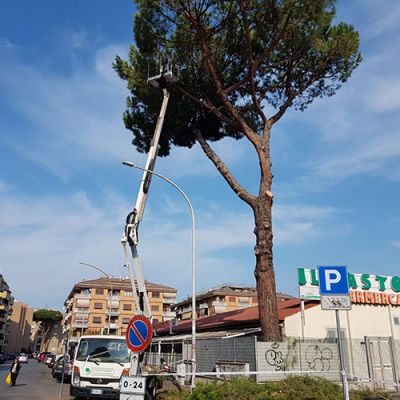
(237, 319)
(228, 290)
(117, 284)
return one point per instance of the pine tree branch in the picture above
(224, 171)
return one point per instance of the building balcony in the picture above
(169, 300)
(217, 303)
(187, 309)
(113, 312)
(80, 324)
(113, 325)
(168, 314)
(4, 295)
(81, 310)
(219, 306)
(86, 296)
(113, 304)
(243, 300)
(67, 316)
(203, 305)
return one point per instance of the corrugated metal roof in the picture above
(243, 318)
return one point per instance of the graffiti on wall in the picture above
(318, 358)
(274, 357)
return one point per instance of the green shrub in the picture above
(291, 388)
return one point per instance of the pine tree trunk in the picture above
(264, 271)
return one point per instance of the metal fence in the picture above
(371, 361)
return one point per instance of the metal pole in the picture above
(109, 308)
(66, 354)
(110, 297)
(194, 316)
(303, 319)
(345, 385)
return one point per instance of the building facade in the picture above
(21, 321)
(375, 308)
(6, 303)
(219, 300)
(105, 306)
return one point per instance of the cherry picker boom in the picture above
(130, 236)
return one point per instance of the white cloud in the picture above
(73, 119)
(357, 128)
(4, 187)
(294, 224)
(7, 44)
(79, 39)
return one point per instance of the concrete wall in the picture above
(362, 320)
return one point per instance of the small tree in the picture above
(46, 320)
(242, 64)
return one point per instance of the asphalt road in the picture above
(34, 383)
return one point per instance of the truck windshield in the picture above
(103, 350)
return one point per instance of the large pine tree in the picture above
(242, 64)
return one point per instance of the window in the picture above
(127, 306)
(98, 306)
(97, 320)
(125, 320)
(128, 293)
(396, 320)
(99, 291)
(232, 299)
(331, 333)
(155, 308)
(155, 294)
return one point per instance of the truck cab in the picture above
(99, 363)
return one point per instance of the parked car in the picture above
(53, 360)
(57, 369)
(49, 358)
(11, 356)
(23, 358)
(42, 356)
(2, 358)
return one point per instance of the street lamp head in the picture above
(129, 164)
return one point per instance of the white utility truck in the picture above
(99, 363)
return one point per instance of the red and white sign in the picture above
(139, 333)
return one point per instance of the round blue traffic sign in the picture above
(139, 333)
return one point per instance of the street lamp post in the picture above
(130, 164)
(111, 287)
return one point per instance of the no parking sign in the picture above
(139, 333)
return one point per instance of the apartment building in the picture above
(6, 302)
(103, 306)
(21, 321)
(219, 300)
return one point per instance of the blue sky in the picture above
(64, 194)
